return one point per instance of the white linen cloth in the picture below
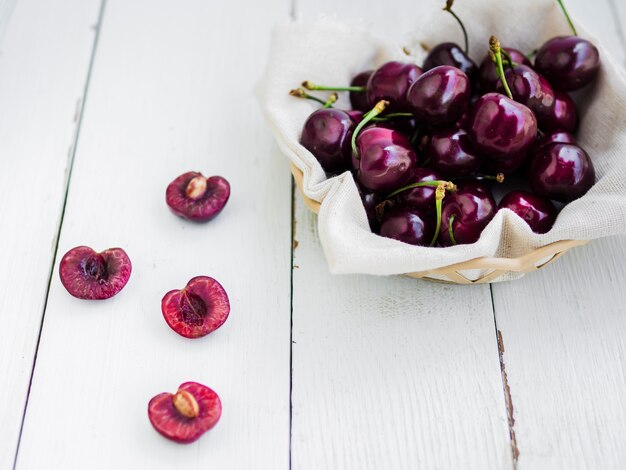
(331, 52)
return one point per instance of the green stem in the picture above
(331, 99)
(494, 47)
(569, 20)
(371, 114)
(312, 86)
(499, 177)
(433, 184)
(439, 195)
(450, 230)
(448, 8)
(300, 93)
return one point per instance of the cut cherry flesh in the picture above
(198, 309)
(537, 212)
(94, 276)
(184, 416)
(194, 197)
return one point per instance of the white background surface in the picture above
(110, 102)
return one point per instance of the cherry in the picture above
(199, 308)
(370, 200)
(391, 82)
(537, 212)
(187, 414)
(194, 197)
(503, 130)
(487, 72)
(564, 115)
(449, 53)
(530, 89)
(451, 152)
(326, 134)
(358, 99)
(94, 276)
(562, 172)
(552, 137)
(408, 226)
(439, 96)
(421, 198)
(466, 213)
(568, 62)
(355, 115)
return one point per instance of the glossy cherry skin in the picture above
(552, 137)
(562, 172)
(359, 99)
(390, 82)
(440, 96)
(449, 53)
(422, 198)
(385, 159)
(473, 207)
(370, 200)
(530, 89)
(564, 115)
(568, 62)
(487, 71)
(326, 134)
(537, 212)
(502, 128)
(451, 152)
(408, 226)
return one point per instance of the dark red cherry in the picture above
(440, 96)
(449, 53)
(466, 213)
(326, 134)
(359, 99)
(568, 62)
(390, 82)
(487, 71)
(194, 197)
(562, 172)
(552, 137)
(564, 115)
(537, 212)
(408, 226)
(530, 89)
(422, 198)
(451, 152)
(385, 159)
(370, 200)
(502, 129)
(355, 115)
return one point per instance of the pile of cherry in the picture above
(426, 144)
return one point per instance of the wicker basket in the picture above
(490, 268)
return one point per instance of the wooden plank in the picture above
(44, 63)
(171, 91)
(562, 333)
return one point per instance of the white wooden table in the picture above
(102, 103)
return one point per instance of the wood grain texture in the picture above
(44, 62)
(171, 91)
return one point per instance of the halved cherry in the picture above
(194, 197)
(94, 276)
(199, 308)
(187, 414)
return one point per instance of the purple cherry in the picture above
(502, 129)
(370, 200)
(564, 115)
(449, 53)
(359, 99)
(421, 198)
(391, 82)
(326, 134)
(530, 89)
(552, 137)
(408, 226)
(487, 71)
(465, 214)
(451, 152)
(537, 212)
(439, 96)
(568, 62)
(562, 172)
(384, 160)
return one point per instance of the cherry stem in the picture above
(371, 114)
(440, 193)
(450, 230)
(498, 177)
(312, 86)
(331, 99)
(496, 51)
(449, 185)
(387, 117)
(569, 20)
(448, 8)
(300, 93)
